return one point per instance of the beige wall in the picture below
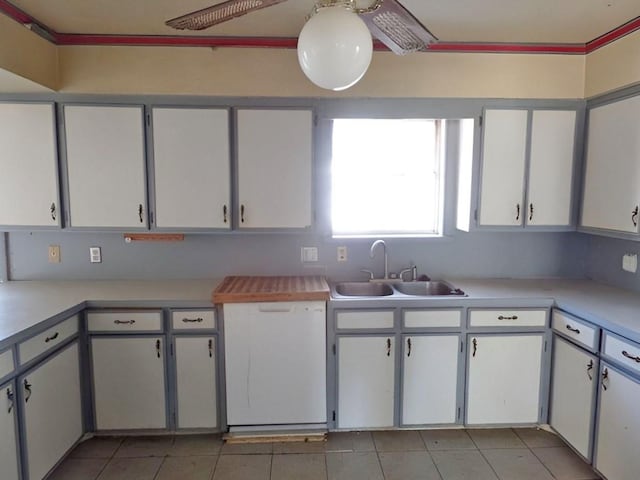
(262, 72)
(26, 55)
(614, 66)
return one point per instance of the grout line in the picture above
(271, 464)
(436, 465)
(543, 464)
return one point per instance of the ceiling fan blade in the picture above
(207, 17)
(397, 28)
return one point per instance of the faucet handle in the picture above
(371, 277)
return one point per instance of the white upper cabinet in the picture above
(275, 151)
(551, 167)
(612, 180)
(191, 168)
(106, 166)
(527, 177)
(503, 167)
(29, 179)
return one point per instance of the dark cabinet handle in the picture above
(475, 346)
(605, 379)
(52, 337)
(53, 211)
(158, 348)
(631, 357)
(408, 347)
(574, 330)
(27, 388)
(241, 213)
(388, 347)
(193, 320)
(224, 213)
(124, 322)
(518, 211)
(530, 211)
(140, 212)
(10, 398)
(502, 317)
(589, 368)
(634, 216)
(210, 348)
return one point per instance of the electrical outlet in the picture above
(54, 253)
(342, 254)
(630, 262)
(95, 254)
(309, 254)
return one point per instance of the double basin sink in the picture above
(435, 288)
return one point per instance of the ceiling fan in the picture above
(335, 46)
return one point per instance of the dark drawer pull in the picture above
(502, 317)
(574, 330)
(631, 357)
(52, 337)
(124, 322)
(193, 320)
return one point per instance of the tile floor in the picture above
(504, 454)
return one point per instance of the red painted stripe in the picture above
(14, 12)
(613, 35)
(187, 41)
(507, 48)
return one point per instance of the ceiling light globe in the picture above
(335, 48)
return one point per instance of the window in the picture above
(387, 177)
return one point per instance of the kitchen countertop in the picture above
(25, 305)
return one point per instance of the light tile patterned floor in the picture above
(503, 454)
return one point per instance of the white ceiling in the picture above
(512, 21)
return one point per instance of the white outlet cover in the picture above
(342, 254)
(95, 255)
(309, 254)
(630, 262)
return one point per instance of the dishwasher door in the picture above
(275, 363)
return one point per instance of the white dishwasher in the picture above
(275, 363)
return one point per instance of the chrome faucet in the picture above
(372, 254)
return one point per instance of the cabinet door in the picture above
(106, 166)
(503, 167)
(366, 367)
(129, 383)
(52, 411)
(196, 382)
(430, 379)
(573, 394)
(29, 180)
(551, 168)
(612, 179)
(275, 151)
(616, 455)
(504, 379)
(8, 444)
(191, 168)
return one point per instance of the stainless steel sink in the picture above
(428, 289)
(363, 289)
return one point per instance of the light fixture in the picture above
(335, 46)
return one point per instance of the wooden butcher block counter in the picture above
(271, 289)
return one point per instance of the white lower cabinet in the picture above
(129, 383)
(616, 454)
(366, 381)
(196, 382)
(504, 379)
(8, 443)
(572, 400)
(430, 379)
(52, 411)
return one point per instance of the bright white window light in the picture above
(387, 177)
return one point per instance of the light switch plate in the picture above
(95, 254)
(54, 253)
(309, 254)
(630, 262)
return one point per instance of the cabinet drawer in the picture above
(507, 318)
(6, 363)
(35, 346)
(193, 319)
(625, 352)
(581, 332)
(125, 321)
(364, 319)
(431, 318)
